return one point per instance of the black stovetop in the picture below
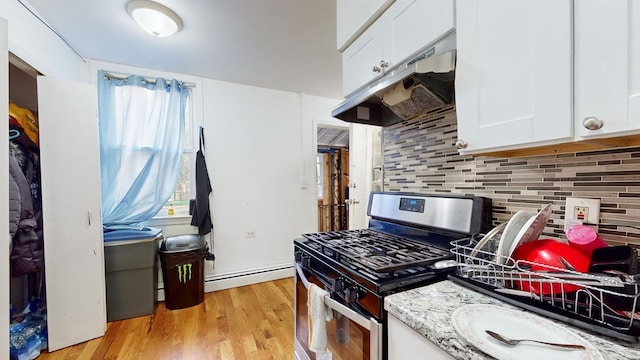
(386, 261)
(375, 251)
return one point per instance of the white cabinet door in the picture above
(513, 73)
(406, 27)
(353, 16)
(410, 25)
(359, 59)
(607, 74)
(72, 224)
(4, 192)
(405, 343)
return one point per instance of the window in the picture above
(178, 204)
(144, 125)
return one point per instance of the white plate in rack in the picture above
(532, 229)
(510, 233)
(471, 321)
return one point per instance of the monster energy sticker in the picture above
(184, 272)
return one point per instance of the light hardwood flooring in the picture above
(249, 322)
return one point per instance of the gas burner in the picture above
(377, 251)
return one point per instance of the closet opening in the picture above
(27, 273)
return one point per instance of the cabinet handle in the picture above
(376, 69)
(592, 123)
(461, 144)
(384, 64)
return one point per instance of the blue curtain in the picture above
(141, 143)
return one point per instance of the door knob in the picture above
(376, 69)
(592, 123)
(461, 144)
(383, 64)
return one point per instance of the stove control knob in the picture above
(351, 294)
(305, 261)
(338, 284)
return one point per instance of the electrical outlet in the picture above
(582, 211)
(250, 234)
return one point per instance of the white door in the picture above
(4, 192)
(513, 72)
(606, 66)
(72, 223)
(360, 167)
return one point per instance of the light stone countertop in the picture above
(428, 309)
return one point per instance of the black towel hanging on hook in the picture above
(201, 211)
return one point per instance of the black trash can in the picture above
(182, 260)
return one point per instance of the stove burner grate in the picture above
(377, 251)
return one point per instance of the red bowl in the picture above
(544, 255)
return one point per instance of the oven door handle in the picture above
(370, 324)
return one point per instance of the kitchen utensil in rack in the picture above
(603, 302)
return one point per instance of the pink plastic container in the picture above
(584, 238)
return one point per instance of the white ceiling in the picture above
(279, 44)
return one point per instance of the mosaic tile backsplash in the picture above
(420, 156)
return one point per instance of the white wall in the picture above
(256, 158)
(4, 194)
(34, 43)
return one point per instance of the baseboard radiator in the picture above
(215, 282)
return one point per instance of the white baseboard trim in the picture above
(231, 280)
(241, 278)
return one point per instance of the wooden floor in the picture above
(249, 322)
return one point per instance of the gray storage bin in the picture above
(131, 273)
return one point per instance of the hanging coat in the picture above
(27, 250)
(201, 211)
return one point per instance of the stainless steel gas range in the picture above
(406, 245)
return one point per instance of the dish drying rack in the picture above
(607, 304)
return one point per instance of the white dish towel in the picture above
(318, 315)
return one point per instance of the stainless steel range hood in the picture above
(424, 82)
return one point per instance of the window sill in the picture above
(169, 220)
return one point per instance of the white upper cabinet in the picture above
(406, 27)
(362, 60)
(409, 25)
(513, 73)
(353, 16)
(607, 68)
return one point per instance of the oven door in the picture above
(350, 335)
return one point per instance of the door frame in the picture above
(4, 190)
(360, 176)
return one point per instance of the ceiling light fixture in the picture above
(156, 19)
